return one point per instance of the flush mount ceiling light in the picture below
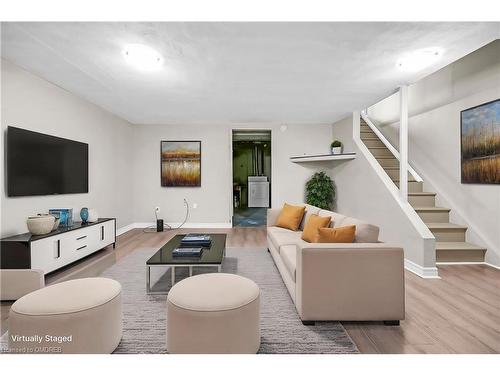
(142, 57)
(419, 59)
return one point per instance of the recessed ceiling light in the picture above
(419, 59)
(142, 57)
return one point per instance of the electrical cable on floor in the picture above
(185, 217)
(152, 229)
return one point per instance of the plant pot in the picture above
(336, 150)
(40, 224)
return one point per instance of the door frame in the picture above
(273, 164)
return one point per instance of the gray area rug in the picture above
(281, 329)
(144, 316)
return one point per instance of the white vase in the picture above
(93, 215)
(336, 150)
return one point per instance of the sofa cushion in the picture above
(280, 237)
(290, 216)
(336, 217)
(365, 233)
(288, 254)
(278, 230)
(310, 233)
(310, 210)
(337, 235)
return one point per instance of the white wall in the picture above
(32, 103)
(434, 140)
(214, 197)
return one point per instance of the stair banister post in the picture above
(356, 131)
(403, 142)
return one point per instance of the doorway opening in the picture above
(251, 177)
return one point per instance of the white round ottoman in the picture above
(76, 316)
(213, 313)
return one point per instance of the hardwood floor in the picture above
(459, 313)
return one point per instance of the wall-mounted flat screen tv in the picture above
(41, 164)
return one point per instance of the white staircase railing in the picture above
(389, 146)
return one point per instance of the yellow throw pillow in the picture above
(290, 217)
(315, 222)
(337, 235)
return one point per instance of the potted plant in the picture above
(336, 147)
(320, 191)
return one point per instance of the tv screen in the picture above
(40, 164)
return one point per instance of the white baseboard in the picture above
(458, 263)
(424, 272)
(126, 228)
(467, 263)
(492, 265)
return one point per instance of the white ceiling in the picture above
(235, 72)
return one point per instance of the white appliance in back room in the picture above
(258, 191)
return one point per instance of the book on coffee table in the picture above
(196, 237)
(191, 239)
(187, 252)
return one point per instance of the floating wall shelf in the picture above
(324, 157)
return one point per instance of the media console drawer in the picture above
(58, 248)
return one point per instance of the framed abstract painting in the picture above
(480, 144)
(181, 163)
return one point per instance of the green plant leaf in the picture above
(320, 191)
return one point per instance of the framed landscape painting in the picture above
(480, 141)
(181, 163)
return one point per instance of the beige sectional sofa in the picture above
(360, 281)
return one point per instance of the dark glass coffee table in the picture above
(211, 257)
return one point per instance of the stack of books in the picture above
(196, 240)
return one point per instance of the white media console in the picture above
(58, 248)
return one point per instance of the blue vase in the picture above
(84, 214)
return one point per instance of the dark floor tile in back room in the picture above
(249, 216)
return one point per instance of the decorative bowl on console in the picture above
(41, 224)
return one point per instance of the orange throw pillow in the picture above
(290, 217)
(315, 222)
(337, 235)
